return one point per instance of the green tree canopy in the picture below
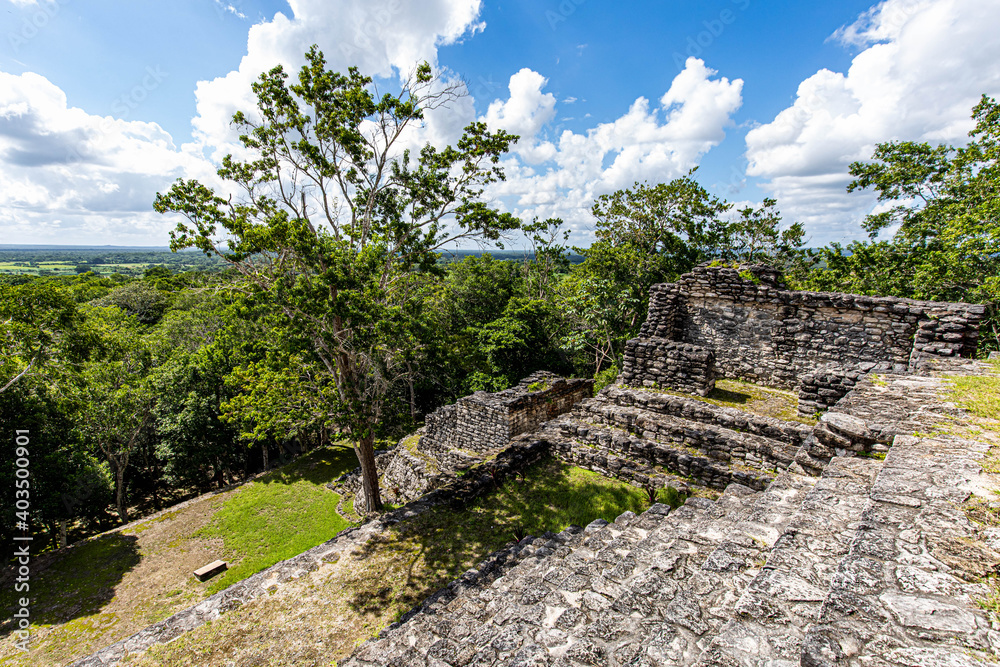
(944, 215)
(332, 223)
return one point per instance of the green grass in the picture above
(329, 613)
(280, 515)
(980, 395)
(764, 401)
(81, 581)
(552, 496)
(418, 556)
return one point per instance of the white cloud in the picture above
(67, 176)
(382, 38)
(561, 178)
(923, 67)
(70, 177)
(229, 8)
(525, 113)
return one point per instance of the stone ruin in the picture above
(763, 333)
(837, 541)
(817, 542)
(460, 436)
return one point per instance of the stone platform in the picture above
(873, 563)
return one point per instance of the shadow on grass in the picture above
(75, 582)
(408, 562)
(319, 466)
(727, 396)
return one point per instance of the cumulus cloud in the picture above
(383, 38)
(525, 113)
(67, 176)
(923, 66)
(561, 178)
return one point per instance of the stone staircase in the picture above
(654, 432)
(870, 564)
(658, 583)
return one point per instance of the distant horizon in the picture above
(137, 248)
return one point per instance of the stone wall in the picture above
(764, 333)
(460, 436)
(665, 364)
(485, 422)
(592, 448)
(824, 387)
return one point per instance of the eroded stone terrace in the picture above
(863, 565)
(837, 542)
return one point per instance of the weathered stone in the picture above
(852, 428)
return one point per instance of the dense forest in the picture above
(320, 325)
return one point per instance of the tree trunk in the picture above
(369, 474)
(120, 493)
(62, 533)
(263, 448)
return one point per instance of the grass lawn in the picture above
(980, 395)
(321, 618)
(280, 515)
(92, 594)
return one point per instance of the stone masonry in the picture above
(871, 564)
(667, 364)
(764, 333)
(484, 422)
(460, 436)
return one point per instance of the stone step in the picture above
(786, 594)
(692, 409)
(677, 588)
(906, 591)
(544, 595)
(686, 462)
(716, 442)
(658, 585)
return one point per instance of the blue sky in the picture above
(105, 102)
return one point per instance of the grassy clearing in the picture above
(321, 617)
(93, 594)
(280, 515)
(980, 395)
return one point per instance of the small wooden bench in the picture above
(210, 570)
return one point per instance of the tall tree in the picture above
(756, 236)
(944, 212)
(116, 400)
(38, 322)
(649, 234)
(332, 222)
